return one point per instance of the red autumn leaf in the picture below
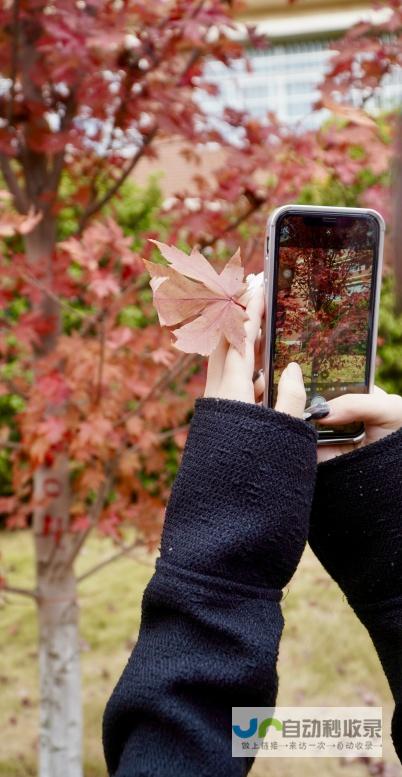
(80, 523)
(53, 386)
(29, 222)
(162, 356)
(348, 112)
(104, 285)
(209, 302)
(11, 223)
(53, 429)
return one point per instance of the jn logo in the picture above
(253, 728)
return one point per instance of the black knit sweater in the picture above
(236, 525)
(356, 532)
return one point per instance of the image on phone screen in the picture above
(323, 316)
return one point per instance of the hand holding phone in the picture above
(380, 412)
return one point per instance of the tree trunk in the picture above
(60, 751)
(60, 680)
(60, 737)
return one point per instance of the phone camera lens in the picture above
(287, 273)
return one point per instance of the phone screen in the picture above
(325, 271)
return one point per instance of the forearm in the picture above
(211, 619)
(204, 647)
(356, 532)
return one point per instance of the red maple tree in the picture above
(90, 88)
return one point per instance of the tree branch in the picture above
(102, 343)
(14, 59)
(11, 589)
(255, 205)
(94, 207)
(96, 510)
(114, 557)
(49, 293)
(167, 376)
(20, 199)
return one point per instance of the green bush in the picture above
(389, 368)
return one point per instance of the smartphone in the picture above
(322, 276)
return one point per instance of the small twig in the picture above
(92, 320)
(167, 376)
(96, 510)
(20, 199)
(49, 293)
(101, 364)
(123, 552)
(256, 205)
(11, 589)
(161, 436)
(13, 388)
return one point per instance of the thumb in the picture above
(291, 392)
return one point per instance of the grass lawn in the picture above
(351, 369)
(326, 658)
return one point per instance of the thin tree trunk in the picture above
(60, 736)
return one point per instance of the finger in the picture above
(376, 408)
(216, 365)
(258, 352)
(255, 311)
(259, 386)
(291, 391)
(378, 390)
(234, 360)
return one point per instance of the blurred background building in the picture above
(283, 79)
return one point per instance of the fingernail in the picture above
(320, 411)
(294, 370)
(257, 374)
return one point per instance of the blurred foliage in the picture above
(138, 211)
(389, 369)
(135, 208)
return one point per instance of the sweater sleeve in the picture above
(356, 532)
(235, 527)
